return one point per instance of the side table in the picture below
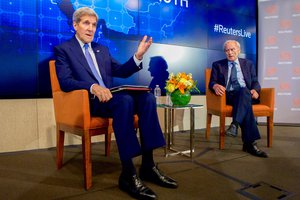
(169, 128)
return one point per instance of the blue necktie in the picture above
(233, 81)
(92, 66)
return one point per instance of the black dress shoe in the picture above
(135, 187)
(232, 130)
(254, 150)
(154, 175)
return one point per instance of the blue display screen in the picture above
(188, 36)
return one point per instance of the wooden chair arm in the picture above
(267, 97)
(215, 102)
(72, 108)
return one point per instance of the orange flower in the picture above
(182, 82)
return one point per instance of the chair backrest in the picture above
(207, 76)
(53, 77)
(215, 104)
(70, 108)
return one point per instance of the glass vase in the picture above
(179, 99)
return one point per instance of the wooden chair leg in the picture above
(270, 125)
(87, 163)
(110, 130)
(222, 132)
(107, 143)
(60, 137)
(208, 125)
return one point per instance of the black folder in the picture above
(134, 88)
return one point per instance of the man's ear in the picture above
(75, 26)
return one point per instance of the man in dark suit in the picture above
(237, 78)
(83, 64)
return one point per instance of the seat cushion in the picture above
(99, 122)
(258, 110)
(261, 110)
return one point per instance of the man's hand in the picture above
(103, 94)
(219, 89)
(143, 47)
(254, 94)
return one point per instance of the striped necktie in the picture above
(233, 80)
(92, 66)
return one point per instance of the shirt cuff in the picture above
(91, 90)
(137, 61)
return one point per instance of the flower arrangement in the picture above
(182, 82)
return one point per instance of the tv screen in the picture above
(188, 36)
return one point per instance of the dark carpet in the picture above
(211, 174)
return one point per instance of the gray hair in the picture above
(83, 11)
(227, 41)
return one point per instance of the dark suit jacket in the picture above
(219, 74)
(74, 72)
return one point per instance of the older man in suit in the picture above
(237, 78)
(83, 64)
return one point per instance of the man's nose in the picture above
(90, 27)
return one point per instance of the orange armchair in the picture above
(72, 115)
(216, 105)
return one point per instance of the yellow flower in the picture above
(170, 88)
(182, 82)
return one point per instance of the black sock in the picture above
(128, 167)
(235, 123)
(249, 143)
(147, 160)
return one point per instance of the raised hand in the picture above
(144, 45)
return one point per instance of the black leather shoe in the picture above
(135, 187)
(254, 150)
(154, 175)
(232, 130)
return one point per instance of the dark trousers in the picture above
(121, 108)
(242, 113)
